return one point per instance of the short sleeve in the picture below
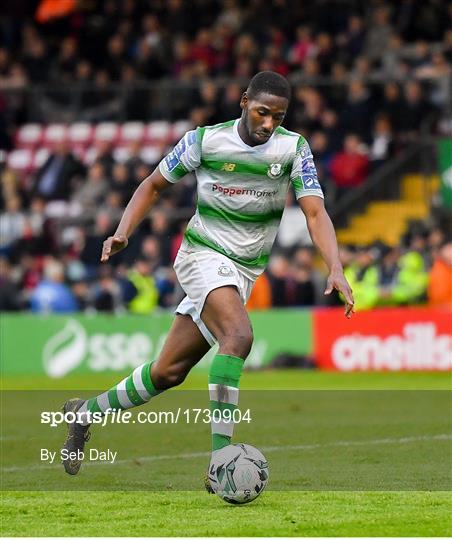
(304, 174)
(184, 158)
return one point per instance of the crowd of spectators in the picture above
(416, 272)
(52, 264)
(124, 40)
(134, 41)
(382, 60)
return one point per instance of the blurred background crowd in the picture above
(369, 79)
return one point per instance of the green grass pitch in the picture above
(363, 454)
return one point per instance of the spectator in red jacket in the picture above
(350, 167)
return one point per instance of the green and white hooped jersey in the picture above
(241, 189)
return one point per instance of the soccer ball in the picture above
(238, 473)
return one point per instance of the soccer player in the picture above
(244, 169)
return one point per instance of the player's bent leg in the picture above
(225, 316)
(183, 348)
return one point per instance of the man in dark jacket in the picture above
(53, 180)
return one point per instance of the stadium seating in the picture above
(29, 135)
(107, 131)
(132, 131)
(21, 159)
(158, 131)
(54, 134)
(80, 133)
(34, 142)
(389, 220)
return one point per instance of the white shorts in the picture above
(200, 272)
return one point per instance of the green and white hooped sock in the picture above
(132, 391)
(224, 377)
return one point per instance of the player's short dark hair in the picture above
(268, 82)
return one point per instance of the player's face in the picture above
(262, 115)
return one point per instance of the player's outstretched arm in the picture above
(144, 198)
(322, 233)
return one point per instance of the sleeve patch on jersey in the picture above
(309, 174)
(308, 165)
(172, 160)
(191, 138)
(310, 181)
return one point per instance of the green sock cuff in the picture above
(220, 441)
(226, 369)
(147, 381)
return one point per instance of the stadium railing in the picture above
(155, 100)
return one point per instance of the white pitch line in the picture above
(193, 455)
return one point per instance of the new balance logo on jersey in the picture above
(229, 167)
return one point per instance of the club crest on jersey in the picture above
(225, 271)
(275, 170)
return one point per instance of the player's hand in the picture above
(112, 245)
(337, 281)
